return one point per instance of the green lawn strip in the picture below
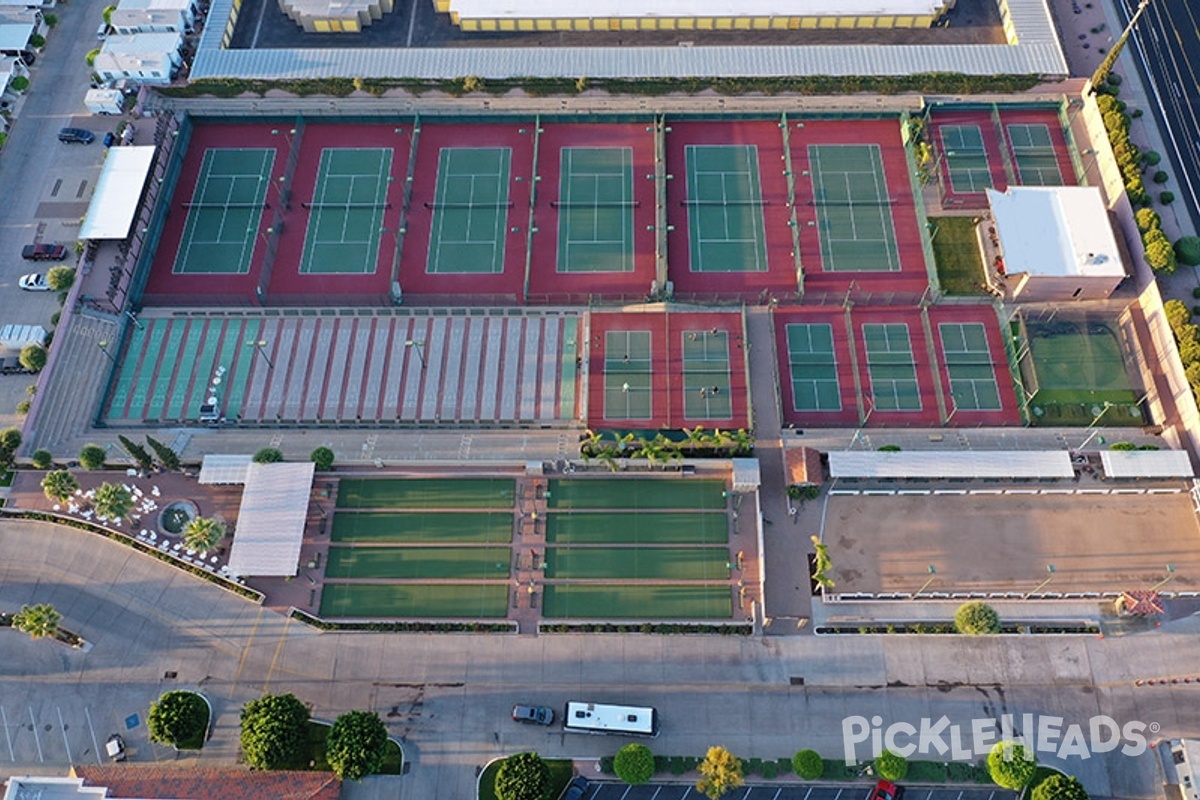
(956, 253)
(638, 563)
(1084, 362)
(423, 600)
(926, 772)
(561, 772)
(481, 493)
(642, 493)
(418, 562)
(447, 527)
(313, 756)
(638, 601)
(671, 527)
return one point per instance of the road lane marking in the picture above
(245, 653)
(95, 744)
(278, 649)
(36, 738)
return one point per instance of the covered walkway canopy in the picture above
(935, 464)
(118, 191)
(218, 469)
(270, 526)
(1146, 464)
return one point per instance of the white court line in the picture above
(62, 726)
(37, 739)
(12, 756)
(95, 744)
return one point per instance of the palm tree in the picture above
(38, 621)
(697, 438)
(59, 485)
(589, 443)
(113, 501)
(203, 533)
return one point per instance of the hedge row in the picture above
(948, 627)
(403, 627)
(1187, 337)
(645, 627)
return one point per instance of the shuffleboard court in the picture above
(638, 563)
(966, 158)
(1033, 150)
(890, 363)
(628, 527)
(346, 213)
(418, 562)
(854, 211)
(441, 527)
(643, 493)
(424, 600)
(449, 493)
(706, 378)
(813, 367)
(969, 366)
(628, 375)
(225, 211)
(470, 211)
(726, 229)
(638, 601)
(595, 209)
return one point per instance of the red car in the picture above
(884, 790)
(44, 252)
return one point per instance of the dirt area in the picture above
(1097, 543)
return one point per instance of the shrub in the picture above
(178, 718)
(323, 458)
(1187, 251)
(720, 771)
(808, 765)
(1151, 158)
(274, 731)
(1166, 198)
(23, 406)
(37, 41)
(1161, 177)
(1113, 79)
(523, 776)
(1147, 219)
(42, 459)
(634, 764)
(890, 766)
(268, 455)
(92, 456)
(19, 83)
(50, 19)
(1059, 787)
(1011, 765)
(1160, 255)
(33, 357)
(976, 619)
(356, 745)
(60, 278)
(90, 58)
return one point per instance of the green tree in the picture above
(890, 766)
(1147, 218)
(42, 459)
(1187, 250)
(356, 745)
(10, 440)
(976, 618)
(37, 40)
(808, 765)
(1160, 255)
(92, 456)
(59, 486)
(50, 19)
(19, 83)
(137, 453)
(821, 564)
(203, 533)
(113, 500)
(165, 455)
(523, 776)
(33, 357)
(178, 718)
(1011, 765)
(108, 12)
(634, 764)
(274, 731)
(720, 771)
(60, 278)
(323, 458)
(38, 621)
(268, 455)
(1059, 787)
(90, 58)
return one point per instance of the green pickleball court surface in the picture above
(632, 601)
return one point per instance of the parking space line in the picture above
(808, 793)
(95, 744)
(36, 738)
(12, 756)
(777, 793)
(62, 726)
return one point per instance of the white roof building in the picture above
(16, 28)
(1057, 242)
(147, 16)
(939, 464)
(118, 193)
(555, 9)
(140, 57)
(270, 525)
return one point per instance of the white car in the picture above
(34, 282)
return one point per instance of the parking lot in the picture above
(656, 791)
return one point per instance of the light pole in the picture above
(103, 345)
(258, 345)
(419, 346)
(924, 586)
(1095, 430)
(1042, 585)
(133, 318)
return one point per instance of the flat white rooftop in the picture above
(1060, 231)
(954, 464)
(529, 9)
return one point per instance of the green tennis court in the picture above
(440, 527)
(813, 367)
(644, 601)
(638, 563)
(470, 211)
(640, 493)
(726, 230)
(628, 372)
(632, 527)
(1033, 150)
(225, 211)
(966, 158)
(346, 213)
(595, 209)
(706, 378)
(969, 366)
(418, 562)
(854, 211)
(449, 493)
(422, 600)
(1076, 361)
(891, 366)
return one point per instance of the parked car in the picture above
(538, 715)
(115, 747)
(34, 282)
(43, 252)
(76, 136)
(576, 788)
(109, 138)
(884, 790)
(11, 365)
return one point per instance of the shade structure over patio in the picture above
(270, 526)
(955, 464)
(220, 469)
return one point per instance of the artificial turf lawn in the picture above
(418, 562)
(451, 493)
(956, 253)
(446, 527)
(638, 563)
(641, 493)
(424, 600)
(631, 601)
(611, 527)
